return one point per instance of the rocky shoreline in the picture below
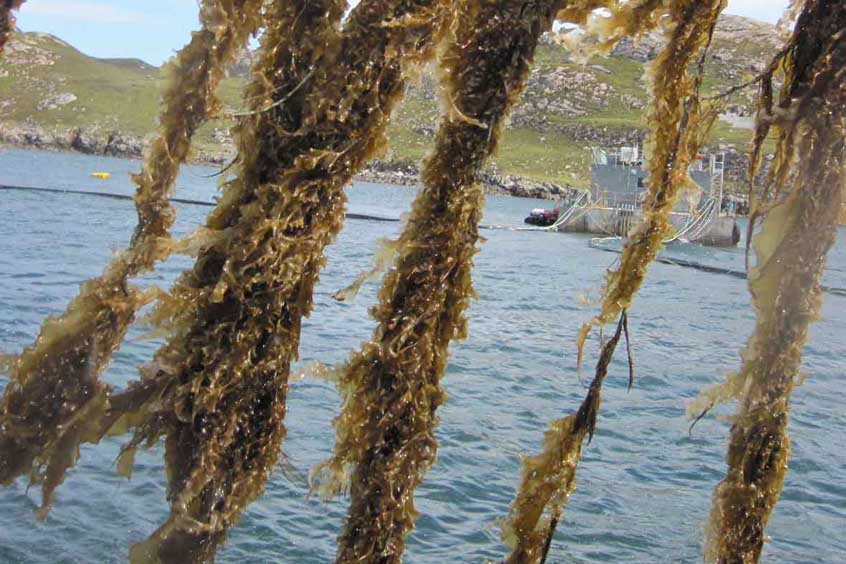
(117, 144)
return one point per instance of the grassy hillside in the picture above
(566, 108)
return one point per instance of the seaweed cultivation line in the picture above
(54, 398)
(548, 479)
(391, 388)
(796, 233)
(216, 391)
(322, 92)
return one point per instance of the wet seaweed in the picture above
(7, 20)
(549, 478)
(216, 390)
(54, 398)
(391, 388)
(318, 104)
(678, 125)
(798, 209)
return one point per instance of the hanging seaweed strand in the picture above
(54, 398)
(7, 20)
(319, 104)
(799, 208)
(679, 123)
(548, 478)
(391, 388)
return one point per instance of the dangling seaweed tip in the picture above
(580, 344)
(624, 319)
(697, 419)
(326, 480)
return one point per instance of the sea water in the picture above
(645, 482)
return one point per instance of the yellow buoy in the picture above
(101, 175)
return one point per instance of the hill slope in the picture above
(46, 84)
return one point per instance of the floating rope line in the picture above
(739, 274)
(54, 396)
(348, 215)
(595, 243)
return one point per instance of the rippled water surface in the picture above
(644, 485)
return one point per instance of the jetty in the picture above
(613, 203)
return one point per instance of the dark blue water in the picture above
(644, 486)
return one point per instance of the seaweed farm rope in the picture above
(548, 478)
(55, 399)
(677, 119)
(791, 249)
(216, 391)
(391, 388)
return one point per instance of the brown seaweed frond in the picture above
(578, 11)
(216, 390)
(54, 397)
(627, 20)
(391, 388)
(549, 478)
(383, 259)
(607, 22)
(797, 230)
(7, 20)
(679, 123)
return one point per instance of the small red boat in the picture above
(542, 217)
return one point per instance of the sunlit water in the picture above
(644, 485)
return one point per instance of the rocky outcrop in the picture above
(25, 50)
(82, 141)
(731, 37)
(86, 141)
(643, 49)
(408, 174)
(56, 101)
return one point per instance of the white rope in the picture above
(696, 223)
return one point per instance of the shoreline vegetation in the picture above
(122, 145)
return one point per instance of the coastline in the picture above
(121, 145)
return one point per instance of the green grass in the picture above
(123, 94)
(110, 93)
